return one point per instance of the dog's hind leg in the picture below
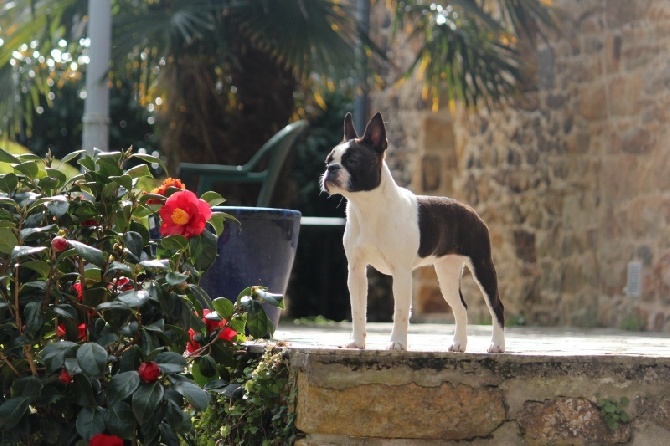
(449, 271)
(484, 274)
(358, 294)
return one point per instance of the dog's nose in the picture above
(332, 168)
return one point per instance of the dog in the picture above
(395, 231)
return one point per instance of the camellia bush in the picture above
(106, 337)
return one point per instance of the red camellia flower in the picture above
(122, 284)
(228, 334)
(61, 331)
(65, 377)
(163, 188)
(191, 345)
(59, 243)
(78, 290)
(212, 320)
(184, 214)
(149, 372)
(105, 440)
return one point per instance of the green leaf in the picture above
(72, 155)
(174, 242)
(217, 223)
(170, 362)
(276, 300)
(6, 157)
(83, 391)
(92, 358)
(11, 412)
(198, 398)
(122, 385)
(134, 299)
(119, 420)
(64, 310)
(207, 366)
(40, 267)
(34, 318)
(90, 421)
(53, 354)
(258, 325)
(119, 267)
(130, 360)
(27, 387)
(160, 264)
(24, 251)
(146, 400)
(150, 159)
(212, 198)
(125, 181)
(224, 307)
(28, 168)
(8, 182)
(89, 253)
(57, 175)
(134, 242)
(141, 170)
(175, 278)
(35, 233)
(58, 205)
(7, 240)
(203, 250)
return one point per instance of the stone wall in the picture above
(573, 178)
(355, 398)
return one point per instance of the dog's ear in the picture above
(375, 133)
(349, 129)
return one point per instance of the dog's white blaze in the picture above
(339, 150)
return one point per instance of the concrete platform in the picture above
(553, 386)
(519, 341)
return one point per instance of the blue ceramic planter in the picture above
(258, 251)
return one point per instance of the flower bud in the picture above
(149, 372)
(59, 244)
(65, 377)
(105, 440)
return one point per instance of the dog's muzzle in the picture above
(331, 176)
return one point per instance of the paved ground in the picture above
(522, 341)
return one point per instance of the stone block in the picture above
(573, 421)
(430, 300)
(624, 95)
(407, 411)
(592, 105)
(431, 173)
(438, 132)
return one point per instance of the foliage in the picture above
(95, 315)
(229, 73)
(613, 411)
(253, 408)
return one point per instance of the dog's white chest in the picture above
(383, 239)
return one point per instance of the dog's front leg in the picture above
(402, 294)
(357, 282)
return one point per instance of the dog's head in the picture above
(355, 164)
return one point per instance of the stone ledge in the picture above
(371, 397)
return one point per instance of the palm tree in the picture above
(232, 72)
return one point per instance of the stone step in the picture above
(594, 387)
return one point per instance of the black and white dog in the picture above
(396, 231)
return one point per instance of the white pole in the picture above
(96, 108)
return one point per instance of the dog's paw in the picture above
(354, 344)
(458, 347)
(396, 346)
(496, 348)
